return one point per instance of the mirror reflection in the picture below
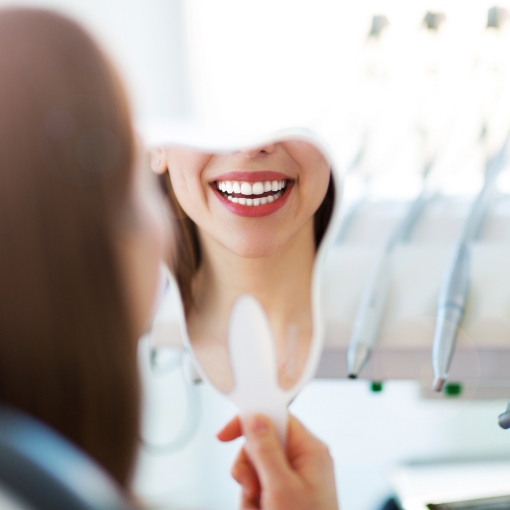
(247, 222)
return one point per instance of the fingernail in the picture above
(258, 425)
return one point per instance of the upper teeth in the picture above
(250, 188)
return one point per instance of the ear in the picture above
(159, 164)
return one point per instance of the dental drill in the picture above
(454, 290)
(373, 300)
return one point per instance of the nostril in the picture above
(266, 149)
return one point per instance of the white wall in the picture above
(146, 40)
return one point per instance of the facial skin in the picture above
(193, 175)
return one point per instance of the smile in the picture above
(252, 194)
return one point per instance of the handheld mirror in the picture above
(252, 224)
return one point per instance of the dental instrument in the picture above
(373, 300)
(374, 296)
(454, 290)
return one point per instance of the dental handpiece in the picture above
(368, 318)
(455, 287)
(373, 300)
(450, 310)
(454, 290)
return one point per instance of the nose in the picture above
(267, 149)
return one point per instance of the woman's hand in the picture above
(302, 478)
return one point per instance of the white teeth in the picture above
(246, 188)
(258, 188)
(255, 201)
(255, 188)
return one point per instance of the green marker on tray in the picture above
(453, 389)
(376, 386)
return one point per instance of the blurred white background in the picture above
(413, 93)
(146, 41)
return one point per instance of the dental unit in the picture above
(374, 296)
(454, 290)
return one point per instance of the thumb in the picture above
(265, 451)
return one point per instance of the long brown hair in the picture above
(185, 259)
(67, 348)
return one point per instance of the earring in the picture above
(158, 164)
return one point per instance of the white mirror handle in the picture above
(253, 360)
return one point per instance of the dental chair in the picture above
(40, 470)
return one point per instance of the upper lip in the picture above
(254, 176)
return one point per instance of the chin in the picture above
(255, 248)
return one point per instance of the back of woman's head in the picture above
(67, 349)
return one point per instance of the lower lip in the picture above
(254, 211)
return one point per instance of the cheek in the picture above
(314, 172)
(179, 185)
(185, 168)
(315, 187)
(191, 196)
(188, 191)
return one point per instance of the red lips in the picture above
(254, 211)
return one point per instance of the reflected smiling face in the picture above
(254, 201)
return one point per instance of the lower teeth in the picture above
(253, 201)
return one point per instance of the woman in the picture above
(80, 247)
(250, 222)
(81, 244)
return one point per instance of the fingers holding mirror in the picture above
(254, 219)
